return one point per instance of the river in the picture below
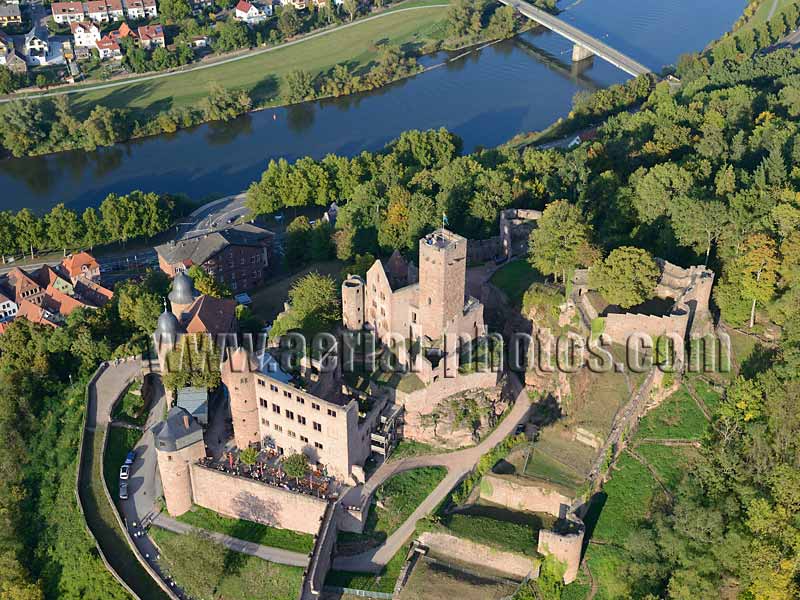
(486, 97)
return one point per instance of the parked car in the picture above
(123, 490)
(231, 220)
(520, 429)
(131, 457)
(124, 471)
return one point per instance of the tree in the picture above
(561, 240)
(299, 86)
(9, 243)
(8, 80)
(626, 277)
(231, 35)
(248, 456)
(23, 126)
(41, 81)
(295, 465)
(298, 238)
(314, 307)
(755, 270)
(289, 21)
(351, 8)
(30, 230)
(64, 228)
(93, 228)
(194, 362)
(207, 284)
(699, 224)
(174, 11)
(139, 306)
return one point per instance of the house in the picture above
(80, 265)
(249, 13)
(37, 46)
(10, 15)
(237, 256)
(141, 9)
(67, 12)
(298, 4)
(116, 12)
(91, 292)
(122, 32)
(199, 41)
(9, 57)
(199, 6)
(107, 48)
(97, 11)
(8, 308)
(23, 287)
(85, 34)
(36, 314)
(48, 278)
(152, 36)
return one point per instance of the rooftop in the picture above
(198, 249)
(177, 431)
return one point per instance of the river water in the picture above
(486, 97)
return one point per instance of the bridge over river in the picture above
(585, 45)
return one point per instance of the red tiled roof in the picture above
(211, 315)
(114, 5)
(21, 282)
(57, 302)
(106, 43)
(34, 314)
(85, 25)
(74, 264)
(67, 8)
(244, 6)
(151, 32)
(93, 6)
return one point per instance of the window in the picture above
(304, 439)
(273, 388)
(263, 402)
(278, 428)
(264, 421)
(315, 406)
(261, 382)
(276, 409)
(300, 400)
(317, 426)
(291, 434)
(287, 394)
(413, 317)
(331, 413)
(317, 445)
(301, 419)
(290, 415)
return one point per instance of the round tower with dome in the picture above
(182, 295)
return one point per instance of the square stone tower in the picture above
(442, 277)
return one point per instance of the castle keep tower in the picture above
(353, 303)
(179, 443)
(237, 375)
(442, 276)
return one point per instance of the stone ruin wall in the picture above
(521, 496)
(480, 555)
(565, 547)
(242, 498)
(620, 327)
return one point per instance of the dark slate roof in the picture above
(199, 249)
(182, 289)
(167, 325)
(173, 433)
(195, 401)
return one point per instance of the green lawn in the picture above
(249, 531)
(409, 448)
(677, 417)
(120, 442)
(543, 466)
(710, 397)
(498, 527)
(207, 570)
(263, 75)
(398, 497)
(629, 492)
(131, 408)
(514, 279)
(382, 582)
(669, 462)
(607, 564)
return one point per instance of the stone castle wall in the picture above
(174, 468)
(242, 498)
(519, 495)
(620, 327)
(565, 547)
(463, 550)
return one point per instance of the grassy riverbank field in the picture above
(412, 25)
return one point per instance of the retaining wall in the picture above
(466, 551)
(523, 496)
(243, 498)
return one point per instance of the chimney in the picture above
(186, 421)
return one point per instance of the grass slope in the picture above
(207, 570)
(677, 417)
(263, 75)
(249, 531)
(514, 279)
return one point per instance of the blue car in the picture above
(130, 458)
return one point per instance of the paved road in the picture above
(210, 65)
(275, 555)
(580, 38)
(458, 464)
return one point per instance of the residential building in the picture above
(85, 34)
(152, 36)
(116, 11)
(81, 264)
(298, 4)
(9, 57)
(237, 256)
(23, 287)
(37, 46)
(8, 308)
(97, 11)
(199, 6)
(10, 15)
(141, 9)
(108, 48)
(68, 12)
(47, 278)
(199, 41)
(122, 32)
(249, 13)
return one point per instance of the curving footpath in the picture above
(458, 465)
(209, 65)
